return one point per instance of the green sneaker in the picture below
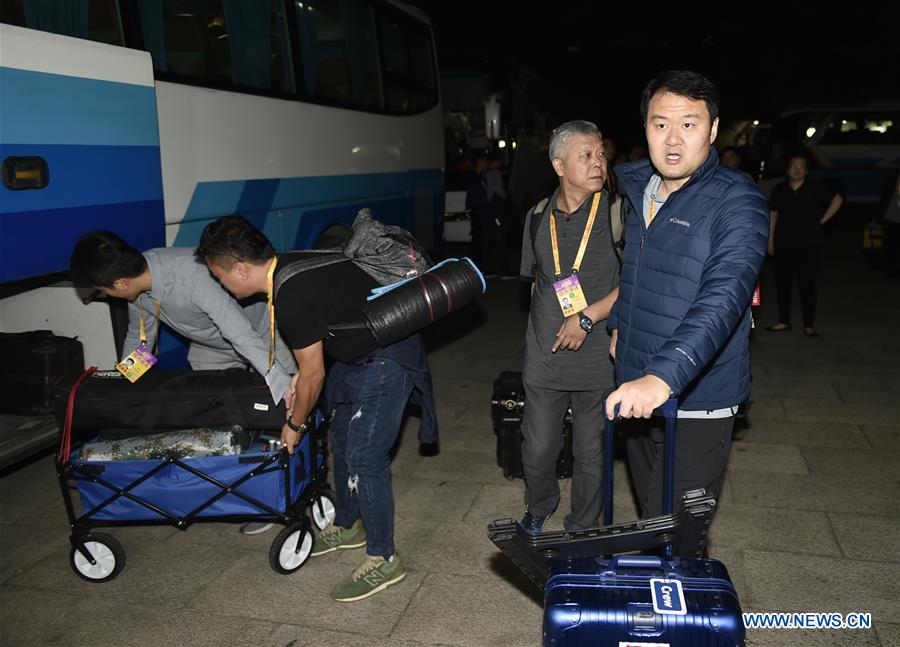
(373, 575)
(337, 538)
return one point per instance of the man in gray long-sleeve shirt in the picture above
(168, 284)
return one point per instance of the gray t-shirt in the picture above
(589, 368)
(652, 191)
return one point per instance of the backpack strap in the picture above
(617, 224)
(537, 215)
(322, 258)
(616, 215)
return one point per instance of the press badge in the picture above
(568, 293)
(136, 363)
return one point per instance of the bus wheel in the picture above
(333, 237)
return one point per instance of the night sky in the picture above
(597, 61)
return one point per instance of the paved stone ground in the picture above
(808, 519)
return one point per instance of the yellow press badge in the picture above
(136, 363)
(571, 298)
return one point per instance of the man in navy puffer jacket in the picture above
(696, 235)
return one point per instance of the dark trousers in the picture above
(542, 436)
(363, 430)
(891, 247)
(802, 262)
(489, 246)
(701, 453)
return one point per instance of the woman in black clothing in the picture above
(799, 208)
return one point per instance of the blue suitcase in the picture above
(641, 601)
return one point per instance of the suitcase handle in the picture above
(635, 561)
(669, 411)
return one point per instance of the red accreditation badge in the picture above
(756, 301)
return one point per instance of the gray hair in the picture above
(560, 136)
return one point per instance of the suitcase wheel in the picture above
(291, 548)
(98, 557)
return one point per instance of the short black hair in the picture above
(685, 83)
(100, 258)
(233, 239)
(797, 154)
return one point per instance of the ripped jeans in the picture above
(363, 431)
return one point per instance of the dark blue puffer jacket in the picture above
(683, 311)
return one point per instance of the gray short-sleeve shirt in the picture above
(590, 367)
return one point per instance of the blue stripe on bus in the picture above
(292, 212)
(38, 107)
(86, 175)
(33, 243)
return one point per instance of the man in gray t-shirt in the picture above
(566, 353)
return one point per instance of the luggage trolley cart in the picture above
(258, 486)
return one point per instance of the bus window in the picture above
(339, 52)
(881, 128)
(219, 42)
(409, 70)
(96, 20)
(842, 130)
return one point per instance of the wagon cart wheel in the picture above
(291, 547)
(98, 557)
(323, 510)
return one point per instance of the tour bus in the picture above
(857, 148)
(151, 118)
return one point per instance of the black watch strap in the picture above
(586, 323)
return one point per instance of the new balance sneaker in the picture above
(531, 523)
(337, 538)
(375, 574)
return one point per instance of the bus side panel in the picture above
(308, 166)
(99, 139)
(293, 212)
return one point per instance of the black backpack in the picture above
(616, 222)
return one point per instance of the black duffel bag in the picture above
(32, 365)
(162, 400)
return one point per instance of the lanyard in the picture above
(143, 333)
(270, 298)
(584, 237)
(650, 216)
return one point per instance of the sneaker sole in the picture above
(331, 549)
(377, 589)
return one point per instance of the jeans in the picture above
(363, 431)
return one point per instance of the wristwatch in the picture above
(587, 325)
(300, 429)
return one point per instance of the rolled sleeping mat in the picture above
(398, 310)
